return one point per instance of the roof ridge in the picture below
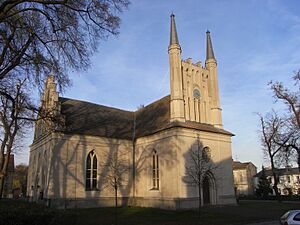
(152, 103)
(84, 101)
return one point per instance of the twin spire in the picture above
(173, 33)
(174, 39)
(209, 47)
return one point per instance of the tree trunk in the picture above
(199, 198)
(3, 172)
(116, 193)
(116, 201)
(1, 185)
(276, 188)
(275, 181)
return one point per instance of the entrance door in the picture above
(206, 193)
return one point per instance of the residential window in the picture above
(298, 179)
(241, 177)
(91, 171)
(155, 171)
(289, 179)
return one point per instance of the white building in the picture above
(243, 175)
(289, 180)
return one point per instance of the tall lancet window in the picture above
(91, 171)
(155, 171)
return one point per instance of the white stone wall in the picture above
(195, 77)
(220, 146)
(65, 165)
(173, 147)
(165, 145)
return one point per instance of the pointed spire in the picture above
(173, 32)
(209, 47)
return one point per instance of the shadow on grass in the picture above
(21, 213)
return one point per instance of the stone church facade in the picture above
(71, 162)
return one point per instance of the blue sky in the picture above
(254, 42)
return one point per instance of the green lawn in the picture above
(20, 213)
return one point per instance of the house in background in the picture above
(288, 183)
(8, 182)
(243, 177)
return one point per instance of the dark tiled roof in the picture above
(91, 119)
(98, 120)
(153, 117)
(280, 172)
(236, 165)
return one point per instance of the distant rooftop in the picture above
(237, 165)
(280, 172)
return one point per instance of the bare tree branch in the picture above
(42, 37)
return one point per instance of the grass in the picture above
(21, 213)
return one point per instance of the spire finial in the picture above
(173, 32)
(209, 47)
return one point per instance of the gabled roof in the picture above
(91, 119)
(153, 118)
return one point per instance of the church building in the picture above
(92, 150)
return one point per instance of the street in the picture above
(274, 222)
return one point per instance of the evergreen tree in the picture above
(264, 185)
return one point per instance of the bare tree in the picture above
(17, 114)
(292, 100)
(42, 37)
(290, 151)
(289, 97)
(13, 114)
(198, 167)
(271, 134)
(116, 166)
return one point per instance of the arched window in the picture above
(33, 169)
(91, 171)
(155, 171)
(206, 154)
(45, 169)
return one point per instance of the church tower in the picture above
(177, 102)
(194, 89)
(213, 87)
